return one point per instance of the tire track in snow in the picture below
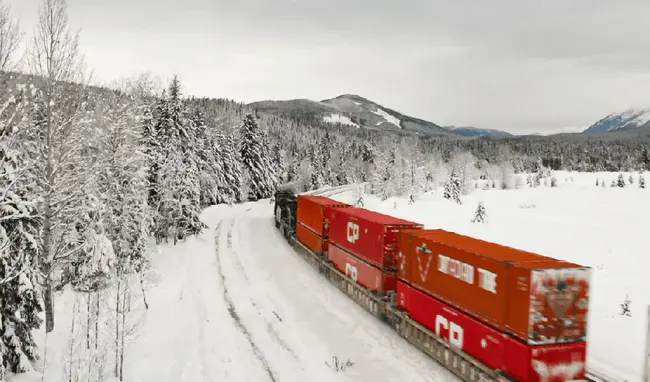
(269, 325)
(233, 312)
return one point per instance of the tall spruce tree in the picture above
(256, 161)
(20, 226)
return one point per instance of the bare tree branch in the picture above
(10, 38)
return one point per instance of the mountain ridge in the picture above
(619, 121)
(357, 111)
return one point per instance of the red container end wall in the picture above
(362, 273)
(545, 363)
(497, 350)
(311, 240)
(368, 235)
(313, 212)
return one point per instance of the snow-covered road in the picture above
(236, 304)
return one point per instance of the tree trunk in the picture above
(96, 320)
(88, 318)
(117, 327)
(46, 268)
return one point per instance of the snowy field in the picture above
(605, 228)
(236, 303)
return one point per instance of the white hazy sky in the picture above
(517, 65)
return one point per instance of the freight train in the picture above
(484, 311)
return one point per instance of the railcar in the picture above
(374, 278)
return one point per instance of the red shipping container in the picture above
(547, 363)
(368, 235)
(469, 335)
(561, 362)
(361, 272)
(313, 211)
(536, 298)
(317, 244)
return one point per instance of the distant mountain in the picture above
(359, 112)
(476, 132)
(629, 119)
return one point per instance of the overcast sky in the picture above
(516, 65)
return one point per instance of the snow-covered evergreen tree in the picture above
(645, 158)
(641, 181)
(255, 160)
(209, 171)
(178, 201)
(233, 171)
(620, 181)
(94, 265)
(453, 187)
(20, 226)
(279, 163)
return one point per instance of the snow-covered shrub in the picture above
(625, 307)
(338, 365)
(620, 181)
(480, 216)
(641, 181)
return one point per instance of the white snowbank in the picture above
(606, 228)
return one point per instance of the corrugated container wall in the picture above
(311, 240)
(371, 236)
(536, 298)
(366, 275)
(313, 212)
(560, 362)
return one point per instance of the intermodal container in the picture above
(370, 236)
(475, 338)
(364, 274)
(311, 240)
(542, 363)
(497, 350)
(313, 212)
(535, 298)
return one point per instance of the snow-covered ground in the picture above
(237, 304)
(338, 118)
(389, 118)
(606, 228)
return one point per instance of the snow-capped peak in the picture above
(629, 118)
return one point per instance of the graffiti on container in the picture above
(559, 303)
(487, 280)
(424, 272)
(454, 332)
(351, 271)
(465, 272)
(563, 371)
(455, 268)
(353, 232)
